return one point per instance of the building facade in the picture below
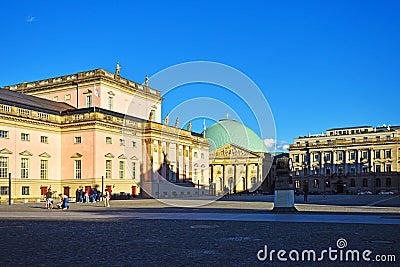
(348, 160)
(90, 129)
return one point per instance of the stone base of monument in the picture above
(284, 201)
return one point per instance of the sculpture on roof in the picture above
(146, 81)
(176, 122)
(166, 120)
(189, 126)
(117, 69)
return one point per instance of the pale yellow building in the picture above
(348, 160)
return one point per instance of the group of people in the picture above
(93, 195)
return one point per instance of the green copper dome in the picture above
(229, 131)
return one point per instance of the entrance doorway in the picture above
(66, 190)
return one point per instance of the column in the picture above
(246, 176)
(223, 178)
(258, 173)
(371, 160)
(234, 178)
(190, 174)
(160, 154)
(177, 163)
(148, 167)
(183, 163)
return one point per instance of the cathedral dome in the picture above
(232, 132)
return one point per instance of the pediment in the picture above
(134, 158)
(26, 153)
(122, 156)
(234, 151)
(76, 155)
(45, 155)
(5, 151)
(109, 155)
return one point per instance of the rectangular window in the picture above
(55, 98)
(365, 169)
(25, 190)
(297, 184)
(78, 169)
(340, 155)
(352, 155)
(340, 169)
(133, 170)
(77, 140)
(121, 142)
(328, 171)
(133, 144)
(44, 166)
(3, 190)
(378, 138)
(195, 174)
(296, 158)
(195, 154)
(108, 140)
(24, 168)
(68, 97)
(3, 134)
(328, 156)
(388, 167)
(353, 140)
(108, 169)
(377, 168)
(110, 103)
(88, 101)
(24, 137)
(202, 155)
(365, 155)
(388, 154)
(3, 167)
(377, 154)
(316, 183)
(44, 139)
(352, 170)
(121, 170)
(365, 139)
(316, 157)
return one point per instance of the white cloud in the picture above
(30, 19)
(273, 145)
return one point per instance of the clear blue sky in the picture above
(320, 64)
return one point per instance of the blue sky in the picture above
(319, 64)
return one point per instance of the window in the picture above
(121, 170)
(365, 155)
(134, 170)
(340, 169)
(352, 170)
(377, 168)
(88, 101)
(365, 182)
(77, 140)
(195, 174)
(133, 144)
(44, 139)
(297, 172)
(44, 165)
(352, 182)
(108, 140)
(78, 169)
(388, 182)
(24, 168)
(3, 134)
(316, 157)
(328, 171)
(388, 138)
(202, 155)
(388, 167)
(327, 183)
(388, 154)
(195, 154)
(121, 142)
(340, 155)
(297, 184)
(353, 140)
(316, 183)
(3, 190)
(202, 175)
(352, 155)
(328, 156)
(24, 137)
(25, 190)
(377, 154)
(68, 97)
(110, 103)
(378, 182)
(296, 158)
(108, 169)
(365, 169)
(378, 138)
(55, 98)
(3, 167)
(365, 139)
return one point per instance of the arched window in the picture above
(388, 181)
(365, 182)
(378, 182)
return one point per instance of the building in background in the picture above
(238, 158)
(91, 129)
(348, 160)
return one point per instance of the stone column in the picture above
(177, 163)
(183, 163)
(234, 178)
(190, 174)
(223, 177)
(246, 176)
(258, 172)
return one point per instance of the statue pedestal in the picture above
(284, 201)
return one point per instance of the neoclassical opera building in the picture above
(92, 128)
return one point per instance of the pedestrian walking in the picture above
(305, 192)
(107, 197)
